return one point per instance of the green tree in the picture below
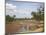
(38, 15)
(9, 18)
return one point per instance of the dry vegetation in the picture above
(13, 27)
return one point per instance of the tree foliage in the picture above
(38, 15)
(9, 18)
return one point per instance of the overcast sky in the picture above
(21, 9)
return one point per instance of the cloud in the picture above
(10, 5)
(24, 10)
(13, 10)
(10, 9)
(20, 13)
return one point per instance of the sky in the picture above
(21, 9)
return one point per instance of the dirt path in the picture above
(39, 30)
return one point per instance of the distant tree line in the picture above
(39, 15)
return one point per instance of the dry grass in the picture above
(13, 27)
